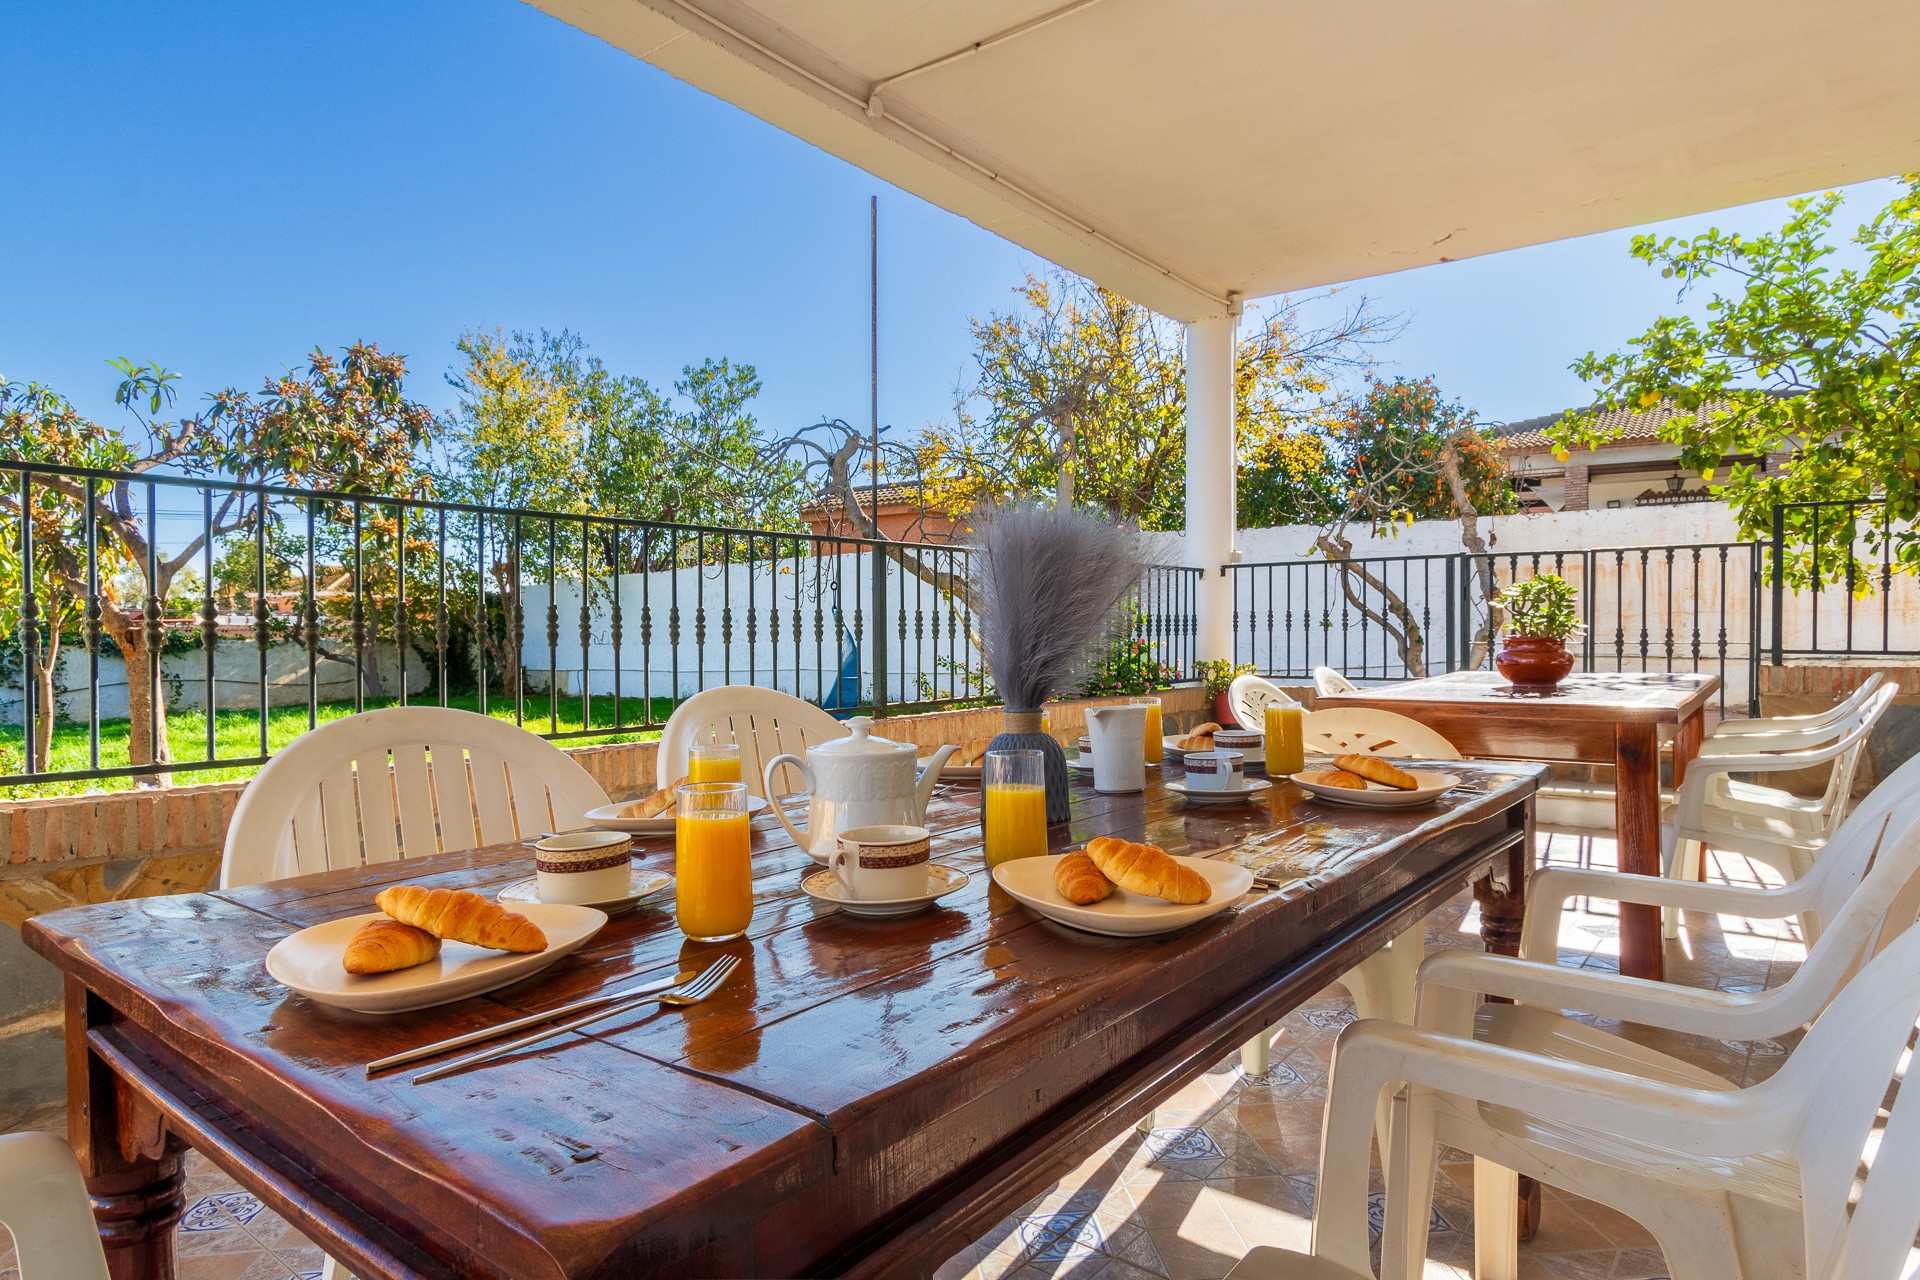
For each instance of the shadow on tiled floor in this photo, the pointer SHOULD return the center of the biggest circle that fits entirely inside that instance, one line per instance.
(1232, 1160)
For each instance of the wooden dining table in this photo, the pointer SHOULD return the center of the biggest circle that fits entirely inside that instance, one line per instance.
(862, 1098)
(1591, 718)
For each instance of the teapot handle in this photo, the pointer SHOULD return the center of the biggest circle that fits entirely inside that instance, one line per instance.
(801, 838)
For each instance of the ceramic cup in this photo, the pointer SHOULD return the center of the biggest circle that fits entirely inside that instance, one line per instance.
(1215, 771)
(1086, 750)
(882, 864)
(1250, 743)
(583, 866)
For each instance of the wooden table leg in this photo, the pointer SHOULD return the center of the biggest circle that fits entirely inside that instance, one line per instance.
(1686, 744)
(133, 1166)
(1636, 812)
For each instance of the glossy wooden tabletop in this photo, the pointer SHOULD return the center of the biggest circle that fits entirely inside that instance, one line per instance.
(848, 1068)
(1652, 697)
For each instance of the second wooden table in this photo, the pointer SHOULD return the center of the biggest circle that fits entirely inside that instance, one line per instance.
(1592, 718)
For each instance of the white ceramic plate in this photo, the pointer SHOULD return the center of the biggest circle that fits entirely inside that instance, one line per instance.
(1378, 795)
(1084, 764)
(1250, 789)
(608, 816)
(941, 881)
(954, 772)
(1121, 914)
(309, 962)
(524, 893)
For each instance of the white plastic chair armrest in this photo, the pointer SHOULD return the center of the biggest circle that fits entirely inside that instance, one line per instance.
(1550, 889)
(1608, 995)
(1373, 1053)
(1703, 769)
(43, 1199)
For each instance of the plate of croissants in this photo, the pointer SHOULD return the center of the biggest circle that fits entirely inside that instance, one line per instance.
(1201, 739)
(654, 815)
(426, 947)
(1123, 889)
(1371, 782)
(965, 763)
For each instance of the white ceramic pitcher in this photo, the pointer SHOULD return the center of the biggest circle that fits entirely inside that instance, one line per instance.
(1119, 737)
(857, 781)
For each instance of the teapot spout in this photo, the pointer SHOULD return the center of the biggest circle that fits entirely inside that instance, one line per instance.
(923, 790)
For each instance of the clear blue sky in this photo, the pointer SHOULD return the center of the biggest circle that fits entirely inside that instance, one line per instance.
(220, 186)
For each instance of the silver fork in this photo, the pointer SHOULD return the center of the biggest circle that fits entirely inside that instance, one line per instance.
(686, 993)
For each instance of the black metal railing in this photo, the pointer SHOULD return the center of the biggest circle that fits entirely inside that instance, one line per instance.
(588, 626)
(1842, 582)
(1663, 608)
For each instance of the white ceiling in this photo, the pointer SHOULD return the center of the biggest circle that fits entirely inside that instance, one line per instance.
(1180, 150)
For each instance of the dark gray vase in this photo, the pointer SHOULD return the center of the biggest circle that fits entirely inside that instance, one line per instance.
(1030, 738)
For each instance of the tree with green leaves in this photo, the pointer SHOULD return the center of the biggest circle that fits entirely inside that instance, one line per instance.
(343, 424)
(1082, 394)
(1404, 452)
(1801, 357)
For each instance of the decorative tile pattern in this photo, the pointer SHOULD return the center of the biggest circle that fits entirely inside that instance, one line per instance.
(1061, 1236)
(1377, 1216)
(1278, 1075)
(1327, 1019)
(1183, 1144)
(220, 1212)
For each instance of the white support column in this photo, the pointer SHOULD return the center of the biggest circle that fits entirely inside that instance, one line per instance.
(1211, 501)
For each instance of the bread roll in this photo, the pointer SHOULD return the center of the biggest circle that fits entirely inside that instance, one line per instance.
(654, 805)
(1079, 881)
(1374, 769)
(1341, 778)
(1201, 739)
(384, 944)
(1148, 869)
(461, 916)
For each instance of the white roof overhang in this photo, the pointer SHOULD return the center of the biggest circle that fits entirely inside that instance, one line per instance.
(1182, 152)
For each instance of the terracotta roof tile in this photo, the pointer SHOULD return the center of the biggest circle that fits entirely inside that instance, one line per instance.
(1619, 427)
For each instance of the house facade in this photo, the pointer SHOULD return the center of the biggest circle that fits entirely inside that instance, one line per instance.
(1631, 466)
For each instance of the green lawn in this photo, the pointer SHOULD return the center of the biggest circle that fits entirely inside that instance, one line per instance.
(237, 733)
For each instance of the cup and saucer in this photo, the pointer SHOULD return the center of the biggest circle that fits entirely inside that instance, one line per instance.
(1217, 777)
(881, 872)
(585, 869)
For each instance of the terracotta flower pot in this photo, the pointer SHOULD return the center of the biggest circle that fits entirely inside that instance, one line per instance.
(1534, 664)
(1222, 712)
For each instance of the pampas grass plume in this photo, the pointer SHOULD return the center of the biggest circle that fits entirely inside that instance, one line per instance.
(1052, 587)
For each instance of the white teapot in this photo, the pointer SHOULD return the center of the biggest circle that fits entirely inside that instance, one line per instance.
(857, 781)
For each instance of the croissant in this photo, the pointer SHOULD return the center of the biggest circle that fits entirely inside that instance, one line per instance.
(461, 916)
(1374, 769)
(1148, 869)
(1079, 881)
(1201, 739)
(382, 945)
(1341, 778)
(654, 805)
(970, 751)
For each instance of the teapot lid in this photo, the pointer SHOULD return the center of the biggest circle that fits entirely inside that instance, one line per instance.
(861, 743)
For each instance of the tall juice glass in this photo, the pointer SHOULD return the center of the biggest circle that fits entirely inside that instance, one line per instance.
(1286, 752)
(718, 762)
(1014, 796)
(715, 878)
(1156, 745)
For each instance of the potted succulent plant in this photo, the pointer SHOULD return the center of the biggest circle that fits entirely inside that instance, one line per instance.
(1540, 619)
(1216, 677)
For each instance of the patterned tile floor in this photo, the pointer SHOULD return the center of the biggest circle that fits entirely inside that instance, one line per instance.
(1232, 1160)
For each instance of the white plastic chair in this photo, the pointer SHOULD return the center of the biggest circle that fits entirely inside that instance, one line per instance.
(1733, 1183)
(43, 1202)
(765, 722)
(1248, 698)
(1804, 730)
(396, 783)
(1327, 680)
(1365, 731)
(1776, 827)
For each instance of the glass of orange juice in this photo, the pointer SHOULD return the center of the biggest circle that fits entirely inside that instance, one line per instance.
(1014, 797)
(715, 762)
(1286, 750)
(715, 877)
(1156, 745)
